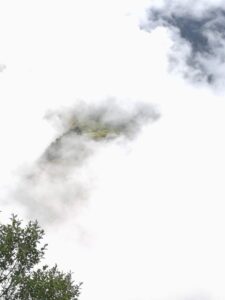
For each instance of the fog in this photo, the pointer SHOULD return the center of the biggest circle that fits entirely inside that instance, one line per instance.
(111, 122)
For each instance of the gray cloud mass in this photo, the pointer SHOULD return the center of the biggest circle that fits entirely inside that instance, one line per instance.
(57, 183)
(200, 34)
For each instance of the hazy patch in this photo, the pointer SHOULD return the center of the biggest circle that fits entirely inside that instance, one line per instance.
(198, 39)
(57, 182)
(2, 67)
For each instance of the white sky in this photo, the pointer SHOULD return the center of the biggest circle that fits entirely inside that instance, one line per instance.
(153, 227)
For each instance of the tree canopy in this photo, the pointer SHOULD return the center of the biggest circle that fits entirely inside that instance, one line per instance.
(22, 277)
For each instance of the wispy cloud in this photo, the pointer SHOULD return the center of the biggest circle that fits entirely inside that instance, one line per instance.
(2, 67)
(197, 32)
(53, 186)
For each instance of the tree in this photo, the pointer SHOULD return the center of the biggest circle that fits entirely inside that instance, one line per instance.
(21, 277)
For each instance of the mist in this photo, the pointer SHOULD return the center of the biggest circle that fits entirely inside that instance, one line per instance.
(56, 184)
(112, 136)
(198, 38)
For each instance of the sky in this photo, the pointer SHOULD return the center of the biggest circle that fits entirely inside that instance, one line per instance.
(139, 213)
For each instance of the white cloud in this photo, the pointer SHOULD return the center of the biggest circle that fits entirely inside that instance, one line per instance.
(153, 227)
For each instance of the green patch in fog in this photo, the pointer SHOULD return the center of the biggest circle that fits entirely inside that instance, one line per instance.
(97, 131)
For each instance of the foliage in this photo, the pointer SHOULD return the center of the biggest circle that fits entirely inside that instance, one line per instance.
(96, 131)
(20, 279)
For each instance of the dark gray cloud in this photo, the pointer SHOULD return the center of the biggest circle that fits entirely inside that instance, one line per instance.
(201, 32)
(56, 183)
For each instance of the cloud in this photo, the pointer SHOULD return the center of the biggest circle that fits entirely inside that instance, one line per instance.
(197, 33)
(2, 67)
(154, 218)
(56, 183)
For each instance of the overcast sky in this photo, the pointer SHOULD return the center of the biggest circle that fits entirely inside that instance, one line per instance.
(138, 218)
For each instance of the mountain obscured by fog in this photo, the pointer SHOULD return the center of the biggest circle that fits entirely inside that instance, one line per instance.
(57, 182)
